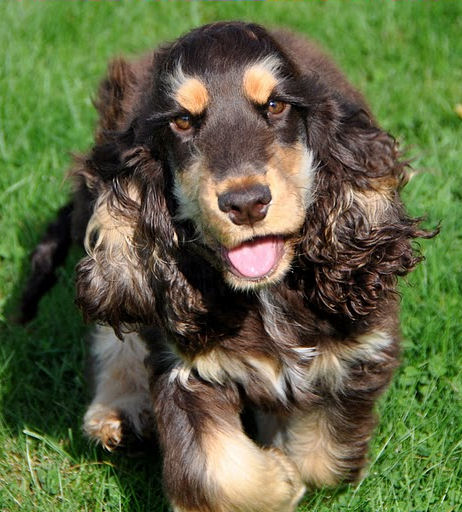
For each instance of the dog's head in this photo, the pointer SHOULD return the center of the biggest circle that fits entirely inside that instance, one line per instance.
(227, 119)
(254, 148)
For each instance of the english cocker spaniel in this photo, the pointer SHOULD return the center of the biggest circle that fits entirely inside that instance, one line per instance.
(240, 209)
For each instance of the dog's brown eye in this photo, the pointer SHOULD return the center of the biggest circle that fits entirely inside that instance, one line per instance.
(276, 107)
(182, 123)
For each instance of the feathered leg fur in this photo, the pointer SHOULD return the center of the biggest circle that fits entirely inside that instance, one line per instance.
(122, 404)
(210, 465)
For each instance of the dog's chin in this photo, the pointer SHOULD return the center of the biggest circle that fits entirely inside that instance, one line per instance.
(258, 262)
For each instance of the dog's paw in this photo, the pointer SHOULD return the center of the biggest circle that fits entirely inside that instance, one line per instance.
(296, 487)
(104, 425)
(116, 426)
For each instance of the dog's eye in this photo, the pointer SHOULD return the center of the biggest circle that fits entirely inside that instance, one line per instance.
(182, 123)
(275, 107)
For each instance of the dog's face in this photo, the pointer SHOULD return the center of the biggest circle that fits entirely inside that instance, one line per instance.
(235, 143)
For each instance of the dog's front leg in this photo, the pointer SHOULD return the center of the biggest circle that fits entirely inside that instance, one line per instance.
(210, 465)
(329, 443)
(121, 409)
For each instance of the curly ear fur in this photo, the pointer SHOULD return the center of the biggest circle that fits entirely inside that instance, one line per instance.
(111, 284)
(115, 95)
(131, 269)
(357, 237)
(179, 303)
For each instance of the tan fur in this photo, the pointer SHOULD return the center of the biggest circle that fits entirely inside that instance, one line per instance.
(289, 174)
(193, 96)
(309, 442)
(219, 367)
(374, 204)
(248, 478)
(187, 188)
(238, 182)
(331, 364)
(121, 388)
(342, 205)
(239, 475)
(113, 230)
(109, 240)
(259, 81)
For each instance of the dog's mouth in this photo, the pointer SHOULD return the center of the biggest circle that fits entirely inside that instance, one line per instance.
(255, 259)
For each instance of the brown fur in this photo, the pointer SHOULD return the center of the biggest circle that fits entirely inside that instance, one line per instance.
(312, 344)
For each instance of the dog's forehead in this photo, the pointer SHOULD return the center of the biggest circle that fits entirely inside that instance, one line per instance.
(194, 91)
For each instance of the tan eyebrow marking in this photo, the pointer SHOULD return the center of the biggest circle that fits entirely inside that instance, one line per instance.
(259, 83)
(192, 96)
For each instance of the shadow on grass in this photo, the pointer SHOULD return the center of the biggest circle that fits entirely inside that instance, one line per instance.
(46, 391)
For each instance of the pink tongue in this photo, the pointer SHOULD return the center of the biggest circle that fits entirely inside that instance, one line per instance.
(256, 258)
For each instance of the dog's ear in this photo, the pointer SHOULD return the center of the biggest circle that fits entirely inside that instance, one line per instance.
(131, 273)
(112, 284)
(129, 238)
(357, 236)
(111, 288)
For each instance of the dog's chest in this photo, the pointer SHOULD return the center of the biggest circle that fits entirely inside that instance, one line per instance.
(299, 380)
(283, 362)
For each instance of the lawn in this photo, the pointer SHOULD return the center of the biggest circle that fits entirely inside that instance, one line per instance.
(406, 57)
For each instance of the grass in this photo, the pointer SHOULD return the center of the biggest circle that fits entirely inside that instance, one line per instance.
(405, 56)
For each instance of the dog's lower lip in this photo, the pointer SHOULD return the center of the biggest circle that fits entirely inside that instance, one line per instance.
(264, 253)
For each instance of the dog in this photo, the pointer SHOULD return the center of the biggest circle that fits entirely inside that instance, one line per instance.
(244, 232)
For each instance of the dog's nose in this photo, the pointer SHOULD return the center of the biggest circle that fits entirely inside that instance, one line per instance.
(246, 205)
